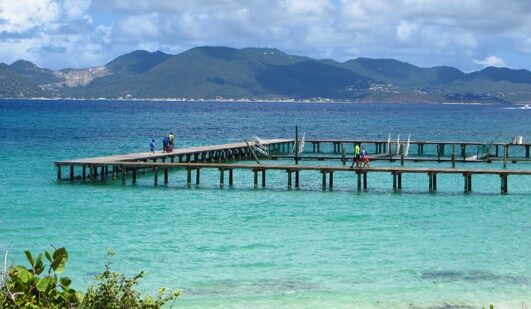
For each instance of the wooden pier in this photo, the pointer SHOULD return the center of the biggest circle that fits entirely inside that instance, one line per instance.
(223, 158)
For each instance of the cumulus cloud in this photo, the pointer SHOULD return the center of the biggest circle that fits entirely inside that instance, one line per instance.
(20, 16)
(404, 30)
(424, 32)
(491, 61)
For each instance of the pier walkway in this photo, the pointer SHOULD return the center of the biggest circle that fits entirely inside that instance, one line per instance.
(194, 159)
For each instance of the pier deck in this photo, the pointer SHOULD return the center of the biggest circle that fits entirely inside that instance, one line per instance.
(142, 156)
(218, 156)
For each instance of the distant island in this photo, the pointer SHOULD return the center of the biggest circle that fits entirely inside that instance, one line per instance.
(263, 74)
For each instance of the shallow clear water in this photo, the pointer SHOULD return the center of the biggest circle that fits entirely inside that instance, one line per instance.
(241, 247)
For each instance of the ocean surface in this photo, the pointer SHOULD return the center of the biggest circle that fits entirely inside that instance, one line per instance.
(240, 247)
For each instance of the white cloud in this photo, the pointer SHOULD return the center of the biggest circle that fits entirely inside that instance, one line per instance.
(491, 61)
(404, 30)
(17, 16)
(424, 32)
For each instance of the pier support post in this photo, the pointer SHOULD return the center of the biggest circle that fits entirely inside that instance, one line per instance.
(165, 175)
(71, 173)
(155, 176)
(289, 179)
(133, 175)
(527, 151)
(102, 173)
(503, 183)
(255, 179)
(453, 155)
(324, 179)
(402, 159)
(263, 178)
(297, 179)
(84, 173)
(231, 177)
(463, 151)
(124, 174)
(188, 177)
(358, 174)
(468, 182)
(394, 180)
(221, 178)
(365, 181)
(197, 176)
(59, 177)
(331, 182)
(505, 155)
(433, 181)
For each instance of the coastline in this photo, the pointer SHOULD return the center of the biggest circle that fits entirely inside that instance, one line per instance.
(258, 100)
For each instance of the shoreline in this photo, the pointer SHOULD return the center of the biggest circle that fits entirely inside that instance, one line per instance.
(247, 100)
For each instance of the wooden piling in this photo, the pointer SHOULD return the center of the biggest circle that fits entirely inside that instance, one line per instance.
(155, 176)
(289, 179)
(505, 155)
(59, 177)
(255, 179)
(124, 174)
(133, 175)
(359, 180)
(165, 175)
(197, 176)
(503, 183)
(263, 178)
(231, 177)
(365, 181)
(331, 182)
(221, 178)
(189, 177)
(453, 155)
(297, 179)
(324, 179)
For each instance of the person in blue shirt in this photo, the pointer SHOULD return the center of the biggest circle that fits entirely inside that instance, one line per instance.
(152, 147)
(165, 144)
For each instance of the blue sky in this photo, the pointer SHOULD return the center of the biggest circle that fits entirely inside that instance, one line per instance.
(468, 34)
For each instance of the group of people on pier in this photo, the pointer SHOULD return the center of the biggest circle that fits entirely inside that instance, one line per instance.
(360, 157)
(168, 143)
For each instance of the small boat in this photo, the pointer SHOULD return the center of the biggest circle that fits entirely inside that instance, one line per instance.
(527, 106)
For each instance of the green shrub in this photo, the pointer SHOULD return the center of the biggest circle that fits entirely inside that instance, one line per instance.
(39, 286)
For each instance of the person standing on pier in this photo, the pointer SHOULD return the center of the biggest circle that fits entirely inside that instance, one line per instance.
(171, 142)
(357, 158)
(152, 147)
(365, 157)
(165, 144)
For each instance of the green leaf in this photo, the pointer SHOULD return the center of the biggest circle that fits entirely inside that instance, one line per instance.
(39, 265)
(65, 282)
(23, 274)
(48, 256)
(60, 256)
(43, 284)
(30, 258)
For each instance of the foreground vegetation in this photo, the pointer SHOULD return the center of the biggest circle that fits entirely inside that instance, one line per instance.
(40, 286)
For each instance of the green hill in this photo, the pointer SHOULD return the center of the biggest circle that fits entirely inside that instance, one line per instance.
(266, 73)
(13, 85)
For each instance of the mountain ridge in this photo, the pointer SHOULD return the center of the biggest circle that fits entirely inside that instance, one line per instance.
(211, 72)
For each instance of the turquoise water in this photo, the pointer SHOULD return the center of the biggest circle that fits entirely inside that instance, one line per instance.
(241, 247)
